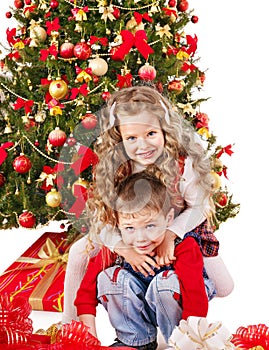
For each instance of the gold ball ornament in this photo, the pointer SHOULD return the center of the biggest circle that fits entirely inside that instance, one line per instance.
(98, 66)
(37, 35)
(53, 198)
(216, 180)
(58, 89)
(80, 182)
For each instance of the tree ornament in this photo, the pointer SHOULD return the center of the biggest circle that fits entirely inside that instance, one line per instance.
(176, 86)
(216, 181)
(53, 198)
(22, 164)
(172, 3)
(67, 50)
(82, 50)
(57, 137)
(2, 180)
(133, 26)
(116, 12)
(8, 14)
(71, 141)
(183, 6)
(18, 4)
(98, 66)
(27, 2)
(106, 95)
(27, 219)
(37, 35)
(89, 121)
(80, 182)
(58, 88)
(84, 229)
(194, 19)
(147, 72)
(54, 4)
(221, 199)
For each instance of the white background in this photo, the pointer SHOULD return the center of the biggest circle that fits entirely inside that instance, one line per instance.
(233, 45)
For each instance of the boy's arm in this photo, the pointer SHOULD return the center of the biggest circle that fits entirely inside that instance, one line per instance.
(189, 269)
(86, 300)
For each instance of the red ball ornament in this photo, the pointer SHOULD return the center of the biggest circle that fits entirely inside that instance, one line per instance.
(8, 14)
(27, 2)
(106, 95)
(2, 180)
(58, 88)
(57, 137)
(116, 12)
(82, 50)
(54, 4)
(194, 19)
(221, 199)
(176, 86)
(22, 164)
(147, 72)
(183, 5)
(67, 50)
(172, 3)
(18, 4)
(89, 121)
(27, 219)
(71, 141)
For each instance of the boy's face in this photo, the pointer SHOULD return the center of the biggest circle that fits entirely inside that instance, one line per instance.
(146, 230)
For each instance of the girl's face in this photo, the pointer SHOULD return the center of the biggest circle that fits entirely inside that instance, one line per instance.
(146, 231)
(143, 139)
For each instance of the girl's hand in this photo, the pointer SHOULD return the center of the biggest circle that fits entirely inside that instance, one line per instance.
(140, 263)
(89, 320)
(165, 251)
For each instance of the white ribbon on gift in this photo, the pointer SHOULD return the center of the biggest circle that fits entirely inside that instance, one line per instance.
(197, 334)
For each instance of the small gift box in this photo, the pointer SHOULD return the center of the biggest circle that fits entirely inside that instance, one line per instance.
(39, 273)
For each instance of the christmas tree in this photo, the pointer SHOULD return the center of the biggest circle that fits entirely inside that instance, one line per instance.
(64, 59)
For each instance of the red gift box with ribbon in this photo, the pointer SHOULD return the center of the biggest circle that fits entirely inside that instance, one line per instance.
(39, 273)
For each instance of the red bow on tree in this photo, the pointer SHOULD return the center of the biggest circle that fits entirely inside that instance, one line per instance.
(53, 25)
(138, 17)
(3, 153)
(228, 150)
(52, 50)
(139, 40)
(83, 90)
(124, 80)
(88, 157)
(102, 41)
(26, 104)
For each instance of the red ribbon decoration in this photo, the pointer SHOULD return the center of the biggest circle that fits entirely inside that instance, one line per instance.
(3, 153)
(139, 40)
(251, 336)
(102, 41)
(53, 25)
(14, 55)
(83, 90)
(76, 9)
(29, 8)
(88, 158)
(26, 104)
(228, 150)
(10, 36)
(124, 80)
(169, 12)
(54, 103)
(52, 50)
(139, 17)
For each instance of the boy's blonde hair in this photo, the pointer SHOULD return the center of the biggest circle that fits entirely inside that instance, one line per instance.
(140, 193)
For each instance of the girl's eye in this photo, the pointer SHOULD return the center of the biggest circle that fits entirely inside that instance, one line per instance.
(130, 138)
(129, 229)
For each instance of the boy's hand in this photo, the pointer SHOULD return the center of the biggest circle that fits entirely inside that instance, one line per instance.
(139, 262)
(165, 251)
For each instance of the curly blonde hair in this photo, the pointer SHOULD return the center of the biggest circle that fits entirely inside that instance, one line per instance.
(114, 164)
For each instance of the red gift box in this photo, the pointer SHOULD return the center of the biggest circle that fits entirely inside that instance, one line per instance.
(39, 273)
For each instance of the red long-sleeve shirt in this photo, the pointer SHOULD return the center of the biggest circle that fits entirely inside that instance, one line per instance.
(188, 266)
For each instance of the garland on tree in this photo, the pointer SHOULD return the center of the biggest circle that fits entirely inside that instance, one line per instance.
(64, 60)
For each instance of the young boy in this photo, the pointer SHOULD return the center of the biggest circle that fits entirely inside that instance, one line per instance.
(136, 304)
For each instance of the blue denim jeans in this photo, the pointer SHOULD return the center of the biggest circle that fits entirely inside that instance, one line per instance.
(136, 307)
